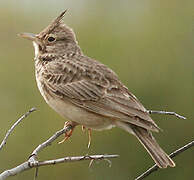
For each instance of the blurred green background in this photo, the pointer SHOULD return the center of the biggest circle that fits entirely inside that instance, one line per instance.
(148, 43)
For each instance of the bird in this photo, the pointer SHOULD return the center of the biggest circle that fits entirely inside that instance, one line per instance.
(87, 92)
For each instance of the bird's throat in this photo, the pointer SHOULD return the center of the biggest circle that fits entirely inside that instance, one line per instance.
(36, 49)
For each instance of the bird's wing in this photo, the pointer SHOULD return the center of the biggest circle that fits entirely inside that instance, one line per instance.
(96, 88)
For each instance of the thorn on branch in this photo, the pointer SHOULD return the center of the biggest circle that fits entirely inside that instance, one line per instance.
(91, 162)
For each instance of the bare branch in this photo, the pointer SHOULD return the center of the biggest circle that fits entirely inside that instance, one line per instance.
(26, 165)
(34, 163)
(76, 158)
(14, 125)
(166, 113)
(173, 154)
(48, 142)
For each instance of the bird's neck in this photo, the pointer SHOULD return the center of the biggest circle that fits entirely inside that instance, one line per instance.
(71, 50)
(68, 50)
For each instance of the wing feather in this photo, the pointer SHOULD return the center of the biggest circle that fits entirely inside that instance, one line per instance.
(99, 92)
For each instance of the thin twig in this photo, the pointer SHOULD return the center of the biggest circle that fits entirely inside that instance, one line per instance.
(166, 113)
(173, 154)
(36, 173)
(14, 125)
(33, 156)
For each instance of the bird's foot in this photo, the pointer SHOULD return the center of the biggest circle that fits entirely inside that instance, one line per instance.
(68, 133)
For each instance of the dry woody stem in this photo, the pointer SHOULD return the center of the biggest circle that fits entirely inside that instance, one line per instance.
(166, 113)
(28, 165)
(32, 162)
(172, 155)
(14, 125)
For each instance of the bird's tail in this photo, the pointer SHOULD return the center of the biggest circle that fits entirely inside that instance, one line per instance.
(153, 148)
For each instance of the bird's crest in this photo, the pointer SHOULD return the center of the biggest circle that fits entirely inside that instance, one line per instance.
(55, 23)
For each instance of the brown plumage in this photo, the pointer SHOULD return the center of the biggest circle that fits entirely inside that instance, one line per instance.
(87, 92)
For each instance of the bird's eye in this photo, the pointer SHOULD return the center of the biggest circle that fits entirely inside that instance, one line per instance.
(51, 39)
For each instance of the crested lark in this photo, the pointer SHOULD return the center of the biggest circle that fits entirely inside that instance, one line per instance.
(87, 92)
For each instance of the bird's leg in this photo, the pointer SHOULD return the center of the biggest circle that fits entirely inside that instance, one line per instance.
(166, 113)
(68, 133)
(89, 135)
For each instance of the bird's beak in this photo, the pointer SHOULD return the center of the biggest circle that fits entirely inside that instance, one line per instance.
(28, 36)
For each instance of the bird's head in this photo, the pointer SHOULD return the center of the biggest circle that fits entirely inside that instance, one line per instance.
(56, 38)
